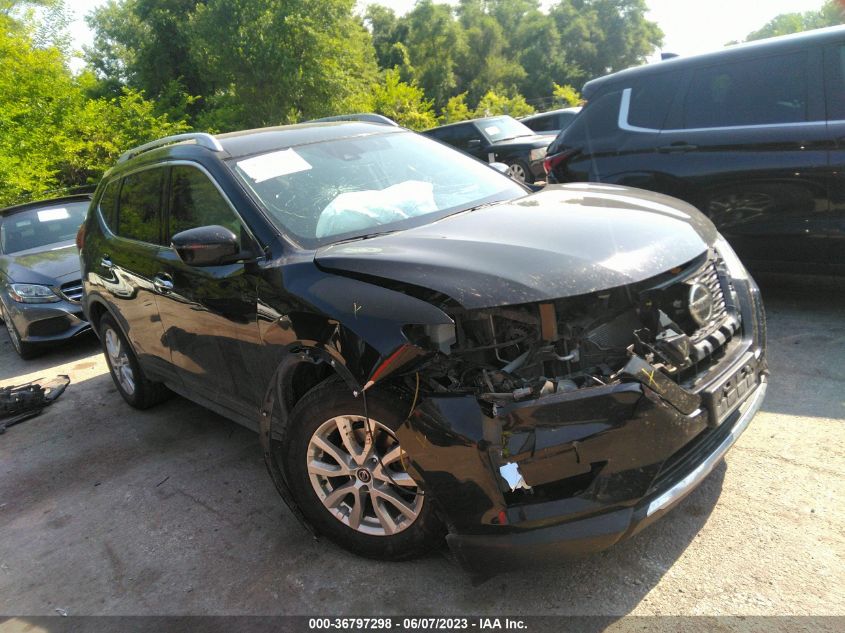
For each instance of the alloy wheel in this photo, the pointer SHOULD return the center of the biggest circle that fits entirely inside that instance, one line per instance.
(517, 172)
(119, 361)
(356, 468)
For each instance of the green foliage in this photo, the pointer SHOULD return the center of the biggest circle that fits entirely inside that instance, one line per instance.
(404, 103)
(493, 103)
(566, 95)
(831, 13)
(51, 133)
(456, 109)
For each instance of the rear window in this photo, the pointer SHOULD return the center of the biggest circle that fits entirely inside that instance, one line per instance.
(108, 205)
(599, 119)
(762, 91)
(41, 227)
(139, 212)
(651, 98)
(543, 123)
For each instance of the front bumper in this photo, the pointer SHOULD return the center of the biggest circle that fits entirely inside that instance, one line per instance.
(47, 322)
(481, 553)
(599, 463)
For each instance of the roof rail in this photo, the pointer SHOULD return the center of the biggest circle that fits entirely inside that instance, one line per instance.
(200, 138)
(368, 117)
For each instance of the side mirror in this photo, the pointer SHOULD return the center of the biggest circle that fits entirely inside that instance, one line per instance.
(207, 246)
(473, 143)
(501, 168)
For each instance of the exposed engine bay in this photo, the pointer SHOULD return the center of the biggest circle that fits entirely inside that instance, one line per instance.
(520, 352)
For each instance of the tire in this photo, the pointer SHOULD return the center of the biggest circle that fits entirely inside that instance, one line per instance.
(367, 519)
(25, 350)
(128, 377)
(520, 172)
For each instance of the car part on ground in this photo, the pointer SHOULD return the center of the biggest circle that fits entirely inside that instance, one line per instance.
(553, 370)
(22, 402)
(40, 285)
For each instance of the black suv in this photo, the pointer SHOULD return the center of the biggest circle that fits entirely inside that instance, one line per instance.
(499, 139)
(425, 346)
(752, 135)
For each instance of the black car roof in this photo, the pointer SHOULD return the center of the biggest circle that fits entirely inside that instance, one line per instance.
(48, 202)
(484, 118)
(256, 141)
(758, 47)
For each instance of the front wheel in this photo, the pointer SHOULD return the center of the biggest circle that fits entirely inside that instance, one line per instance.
(348, 474)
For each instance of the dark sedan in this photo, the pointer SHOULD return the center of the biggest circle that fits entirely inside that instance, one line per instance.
(499, 139)
(427, 348)
(40, 286)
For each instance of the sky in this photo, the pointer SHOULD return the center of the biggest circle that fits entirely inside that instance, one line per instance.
(689, 26)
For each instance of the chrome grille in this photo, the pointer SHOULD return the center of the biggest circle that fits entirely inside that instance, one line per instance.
(72, 291)
(725, 320)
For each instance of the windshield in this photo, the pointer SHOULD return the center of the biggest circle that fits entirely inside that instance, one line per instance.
(504, 127)
(37, 228)
(347, 188)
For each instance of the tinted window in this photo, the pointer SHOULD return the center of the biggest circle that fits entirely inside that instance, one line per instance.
(195, 201)
(459, 135)
(38, 228)
(651, 98)
(543, 123)
(564, 119)
(139, 211)
(108, 204)
(754, 92)
(599, 119)
(836, 85)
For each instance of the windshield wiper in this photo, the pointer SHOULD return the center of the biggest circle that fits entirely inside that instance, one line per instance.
(366, 236)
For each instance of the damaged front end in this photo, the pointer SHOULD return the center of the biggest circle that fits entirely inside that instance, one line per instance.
(563, 425)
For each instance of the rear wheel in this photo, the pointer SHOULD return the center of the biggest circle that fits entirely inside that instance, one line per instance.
(125, 370)
(520, 172)
(24, 350)
(348, 475)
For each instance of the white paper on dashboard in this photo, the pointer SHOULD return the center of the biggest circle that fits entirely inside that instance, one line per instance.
(273, 165)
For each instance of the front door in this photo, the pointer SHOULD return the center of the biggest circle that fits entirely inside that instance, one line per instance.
(209, 313)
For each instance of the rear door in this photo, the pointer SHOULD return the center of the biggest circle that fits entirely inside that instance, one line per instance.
(209, 313)
(748, 145)
(127, 263)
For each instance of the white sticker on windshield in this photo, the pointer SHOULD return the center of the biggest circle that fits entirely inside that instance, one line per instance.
(492, 130)
(273, 165)
(48, 215)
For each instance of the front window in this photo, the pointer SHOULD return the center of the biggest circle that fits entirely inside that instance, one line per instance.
(342, 189)
(41, 227)
(503, 128)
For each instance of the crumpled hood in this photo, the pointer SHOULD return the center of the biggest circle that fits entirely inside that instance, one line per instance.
(57, 263)
(563, 241)
(536, 140)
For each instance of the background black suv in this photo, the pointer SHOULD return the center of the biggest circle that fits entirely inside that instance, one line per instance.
(499, 139)
(753, 135)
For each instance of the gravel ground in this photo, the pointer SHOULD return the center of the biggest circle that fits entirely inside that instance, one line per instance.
(107, 510)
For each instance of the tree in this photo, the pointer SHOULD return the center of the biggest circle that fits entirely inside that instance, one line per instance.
(455, 110)
(51, 133)
(566, 95)
(831, 13)
(603, 36)
(231, 64)
(492, 104)
(404, 103)
(435, 43)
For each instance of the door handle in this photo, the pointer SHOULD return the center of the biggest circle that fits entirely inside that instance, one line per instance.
(163, 283)
(680, 146)
(105, 262)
